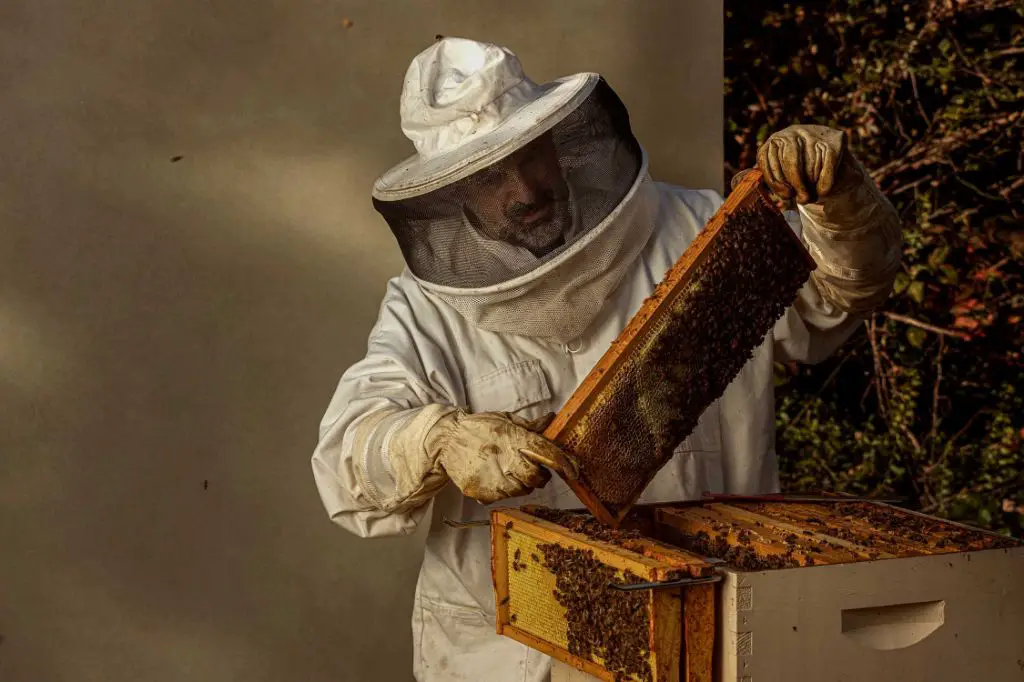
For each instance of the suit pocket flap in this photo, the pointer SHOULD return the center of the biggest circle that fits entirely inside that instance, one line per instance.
(509, 388)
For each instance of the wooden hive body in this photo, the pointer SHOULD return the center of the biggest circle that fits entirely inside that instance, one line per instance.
(835, 591)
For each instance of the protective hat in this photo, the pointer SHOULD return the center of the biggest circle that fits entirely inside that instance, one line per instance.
(505, 211)
(466, 105)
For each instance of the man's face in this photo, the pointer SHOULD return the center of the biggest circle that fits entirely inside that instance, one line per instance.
(523, 199)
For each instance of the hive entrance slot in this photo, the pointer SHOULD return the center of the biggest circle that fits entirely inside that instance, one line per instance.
(896, 626)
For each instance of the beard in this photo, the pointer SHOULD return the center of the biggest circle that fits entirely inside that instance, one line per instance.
(540, 228)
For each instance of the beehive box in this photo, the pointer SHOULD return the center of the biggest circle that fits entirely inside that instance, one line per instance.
(833, 591)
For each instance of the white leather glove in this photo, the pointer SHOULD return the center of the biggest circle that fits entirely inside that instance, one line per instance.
(409, 455)
(852, 231)
(803, 162)
(495, 455)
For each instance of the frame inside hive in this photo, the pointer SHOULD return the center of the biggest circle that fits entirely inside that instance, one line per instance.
(582, 417)
(756, 536)
(676, 638)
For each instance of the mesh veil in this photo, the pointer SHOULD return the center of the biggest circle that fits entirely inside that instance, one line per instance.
(527, 208)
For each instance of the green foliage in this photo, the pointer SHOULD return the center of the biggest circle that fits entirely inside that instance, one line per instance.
(927, 401)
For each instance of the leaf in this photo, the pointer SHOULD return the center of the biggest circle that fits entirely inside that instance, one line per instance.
(916, 336)
(949, 274)
(938, 256)
(779, 374)
(916, 291)
(968, 323)
(901, 283)
(965, 306)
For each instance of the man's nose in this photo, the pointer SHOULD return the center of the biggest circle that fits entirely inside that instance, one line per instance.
(521, 188)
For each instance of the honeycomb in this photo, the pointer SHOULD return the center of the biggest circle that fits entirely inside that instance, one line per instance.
(695, 343)
(560, 595)
(531, 589)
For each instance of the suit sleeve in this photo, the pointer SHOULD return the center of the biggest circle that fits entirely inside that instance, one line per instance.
(813, 328)
(370, 467)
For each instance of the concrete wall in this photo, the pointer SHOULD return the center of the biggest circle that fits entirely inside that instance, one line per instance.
(170, 333)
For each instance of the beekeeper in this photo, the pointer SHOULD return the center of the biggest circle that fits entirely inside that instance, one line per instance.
(532, 232)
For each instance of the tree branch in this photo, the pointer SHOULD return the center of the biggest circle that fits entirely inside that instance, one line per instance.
(817, 394)
(1003, 53)
(883, 404)
(935, 397)
(896, 317)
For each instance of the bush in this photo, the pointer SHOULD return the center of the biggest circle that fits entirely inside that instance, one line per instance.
(928, 401)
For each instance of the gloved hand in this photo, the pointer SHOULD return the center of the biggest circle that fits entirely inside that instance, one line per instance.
(850, 228)
(492, 456)
(403, 457)
(807, 163)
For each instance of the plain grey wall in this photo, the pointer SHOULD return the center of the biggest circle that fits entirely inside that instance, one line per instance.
(170, 333)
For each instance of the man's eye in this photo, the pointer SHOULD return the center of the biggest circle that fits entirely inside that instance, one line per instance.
(532, 162)
(489, 176)
(532, 157)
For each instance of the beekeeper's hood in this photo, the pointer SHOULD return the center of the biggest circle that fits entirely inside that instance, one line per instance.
(524, 204)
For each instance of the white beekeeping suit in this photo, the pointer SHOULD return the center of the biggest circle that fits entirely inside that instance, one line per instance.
(532, 232)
